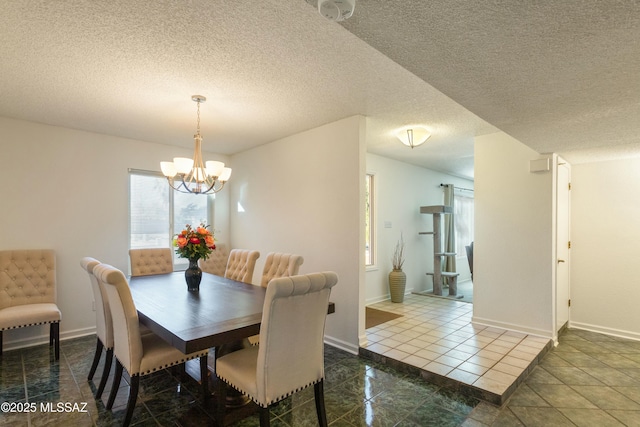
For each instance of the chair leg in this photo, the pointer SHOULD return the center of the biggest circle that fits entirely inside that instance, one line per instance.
(131, 402)
(108, 361)
(204, 379)
(264, 417)
(54, 338)
(0, 343)
(221, 402)
(318, 389)
(96, 359)
(116, 384)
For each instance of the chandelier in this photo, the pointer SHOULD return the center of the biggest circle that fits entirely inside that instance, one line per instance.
(193, 176)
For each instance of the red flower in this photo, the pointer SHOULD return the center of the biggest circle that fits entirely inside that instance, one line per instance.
(194, 240)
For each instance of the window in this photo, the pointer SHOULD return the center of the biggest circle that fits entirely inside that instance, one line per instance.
(157, 213)
(369, 222)
(463, 207)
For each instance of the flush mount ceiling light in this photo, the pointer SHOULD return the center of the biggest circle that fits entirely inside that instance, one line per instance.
(336, 10)
(413, 136)
(194, 177)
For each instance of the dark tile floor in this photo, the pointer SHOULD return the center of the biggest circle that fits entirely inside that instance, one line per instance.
(588, 380)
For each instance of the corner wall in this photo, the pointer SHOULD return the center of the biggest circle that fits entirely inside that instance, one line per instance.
(513, 249)
(304, 194)
(605, 237)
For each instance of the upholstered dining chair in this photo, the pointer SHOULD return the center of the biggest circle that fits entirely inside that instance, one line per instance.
(290, 356)
(139, 354)
(280, 265)
(28, 293)
(145, 262)
(104, 328)
(241, 264)
(217, 261)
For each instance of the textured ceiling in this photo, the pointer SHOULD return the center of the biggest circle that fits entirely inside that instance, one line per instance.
(557, 77)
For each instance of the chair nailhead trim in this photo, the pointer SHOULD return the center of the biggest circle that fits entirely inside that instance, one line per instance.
(168, 365)
(278, 399)
(30, 324)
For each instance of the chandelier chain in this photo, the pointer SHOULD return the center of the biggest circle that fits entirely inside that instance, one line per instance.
(198, 122)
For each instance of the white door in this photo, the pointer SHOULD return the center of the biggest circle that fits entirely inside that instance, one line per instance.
(563, 205)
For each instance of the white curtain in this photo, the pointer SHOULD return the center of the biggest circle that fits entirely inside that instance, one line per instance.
(463, 220)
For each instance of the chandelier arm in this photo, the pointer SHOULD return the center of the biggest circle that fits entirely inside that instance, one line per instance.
(187, 182)
(211, 190)
(171, 184)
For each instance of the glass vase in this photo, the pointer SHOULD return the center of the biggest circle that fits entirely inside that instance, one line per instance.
(193, 275)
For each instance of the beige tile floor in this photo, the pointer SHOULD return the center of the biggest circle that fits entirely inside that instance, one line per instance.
(436, 335)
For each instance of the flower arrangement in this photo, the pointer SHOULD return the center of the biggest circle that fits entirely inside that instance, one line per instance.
(398, 255)
(194, 243)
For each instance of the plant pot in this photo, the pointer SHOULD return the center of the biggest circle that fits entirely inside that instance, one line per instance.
(193, 276)
(397, 285)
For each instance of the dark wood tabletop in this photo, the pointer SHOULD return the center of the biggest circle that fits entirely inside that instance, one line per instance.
(223, 311)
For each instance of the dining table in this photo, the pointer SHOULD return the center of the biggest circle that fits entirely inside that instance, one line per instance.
(223, 311)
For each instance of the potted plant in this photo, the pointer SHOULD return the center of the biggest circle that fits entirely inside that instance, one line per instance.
(397, 277)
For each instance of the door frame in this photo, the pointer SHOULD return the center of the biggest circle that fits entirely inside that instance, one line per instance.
(562, 248)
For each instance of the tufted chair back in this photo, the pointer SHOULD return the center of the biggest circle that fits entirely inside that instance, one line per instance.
(280, 265)
(28, 292)
(27, 277)
(241, 264)
(145, 262)
(217, 261)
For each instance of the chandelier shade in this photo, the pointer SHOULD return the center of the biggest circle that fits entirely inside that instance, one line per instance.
(193, 175)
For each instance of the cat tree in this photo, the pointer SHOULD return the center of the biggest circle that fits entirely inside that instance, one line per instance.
(438, 252)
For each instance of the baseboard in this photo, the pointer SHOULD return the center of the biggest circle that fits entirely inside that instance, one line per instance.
(342, 345)
(44, 339)
(377, 299)
(386, 297)
(512, 327)
(604, 330)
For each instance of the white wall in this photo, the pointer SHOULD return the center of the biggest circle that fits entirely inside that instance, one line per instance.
(67, 190)
(400, 190)
(513, 248)
(304, 194)
(605, 237)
